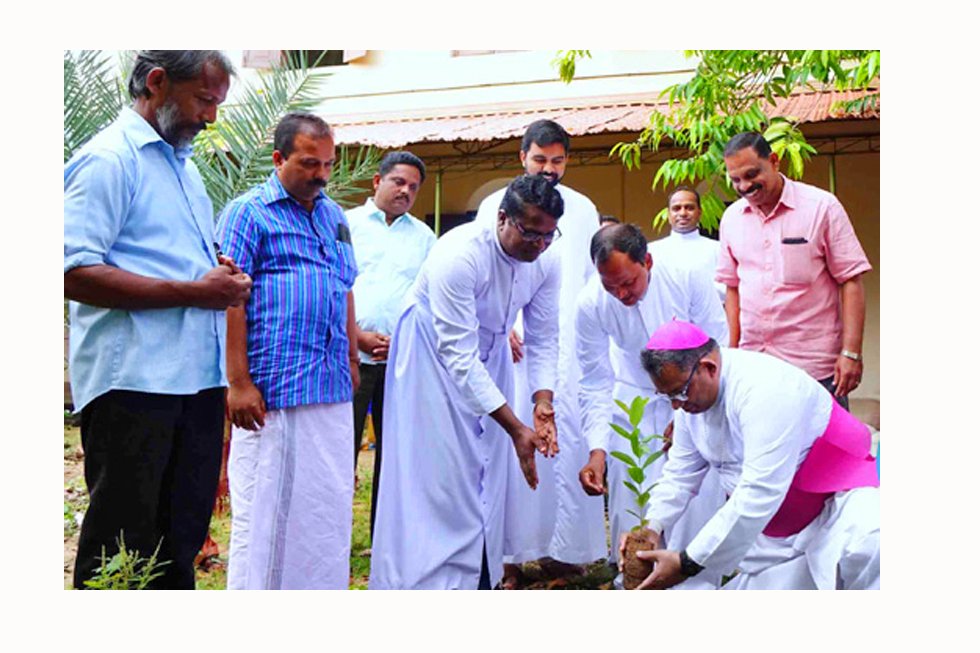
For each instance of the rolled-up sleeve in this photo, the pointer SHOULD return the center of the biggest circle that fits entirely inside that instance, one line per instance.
(453, 305)
(97, 200)
(727, 272)
(844, 255)
(541, 331)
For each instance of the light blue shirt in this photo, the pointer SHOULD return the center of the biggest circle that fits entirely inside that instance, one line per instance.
(388, 261)
(133, 202)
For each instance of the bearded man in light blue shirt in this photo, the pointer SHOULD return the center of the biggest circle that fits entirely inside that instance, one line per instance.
(149, 292)
(390, 245)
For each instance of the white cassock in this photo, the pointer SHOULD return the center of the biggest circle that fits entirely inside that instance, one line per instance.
(558, 519)
(756, 435)
(443, 483)
(610, 337)
(691, 249)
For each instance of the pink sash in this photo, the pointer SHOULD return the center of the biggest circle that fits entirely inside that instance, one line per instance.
(839, 460)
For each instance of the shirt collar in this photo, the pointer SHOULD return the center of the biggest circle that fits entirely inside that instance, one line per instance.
(375, 212)
(143, 133)
(274, 192)
(694, 234)
(787, 199)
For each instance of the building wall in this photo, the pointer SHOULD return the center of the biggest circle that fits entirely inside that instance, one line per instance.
(628, 196)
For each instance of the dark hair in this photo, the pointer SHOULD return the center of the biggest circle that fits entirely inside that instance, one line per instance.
(543, 133)
(754, 140)
(291, 124)
(180, 66)
(392, 159)
(684, 359)
(611, 219)
(531, 190)
(626, 238)
(687, 189)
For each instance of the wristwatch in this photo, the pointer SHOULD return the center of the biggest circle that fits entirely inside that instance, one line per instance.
(689, 567)
(850, 354)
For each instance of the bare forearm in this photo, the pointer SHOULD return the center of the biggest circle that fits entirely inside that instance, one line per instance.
(507, 419)
(111, 287)
(852, 314)
(237, 347)
(352, 328)
(731, 313)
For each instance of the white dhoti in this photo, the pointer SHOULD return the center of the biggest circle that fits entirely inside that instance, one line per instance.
(840, 549)
(443, 473)
(292, 491)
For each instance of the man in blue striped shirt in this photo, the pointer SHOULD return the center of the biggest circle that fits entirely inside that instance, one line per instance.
(390, 245)
(291, 371)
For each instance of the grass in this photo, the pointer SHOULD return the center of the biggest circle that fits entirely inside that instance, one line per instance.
(212, 572)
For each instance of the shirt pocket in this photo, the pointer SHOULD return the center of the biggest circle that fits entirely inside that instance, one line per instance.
(799, 261)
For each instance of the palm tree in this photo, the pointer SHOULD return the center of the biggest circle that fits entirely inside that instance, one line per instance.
(233, 154)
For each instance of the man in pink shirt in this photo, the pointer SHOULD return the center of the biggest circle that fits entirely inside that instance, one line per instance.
(793, 267)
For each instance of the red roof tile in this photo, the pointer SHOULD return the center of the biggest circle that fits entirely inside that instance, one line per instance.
(623, 113)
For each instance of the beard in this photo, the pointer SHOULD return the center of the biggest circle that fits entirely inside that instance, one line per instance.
(178, 134)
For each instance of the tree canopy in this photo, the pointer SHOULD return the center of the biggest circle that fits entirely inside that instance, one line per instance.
(728, 94)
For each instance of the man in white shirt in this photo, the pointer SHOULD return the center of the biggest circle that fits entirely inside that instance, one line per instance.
(390, 245)
(558, 520)
(633, 293)
(803, 506)
(449, 388)
(685, 245)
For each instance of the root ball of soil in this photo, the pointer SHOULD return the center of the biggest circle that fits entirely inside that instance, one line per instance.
(636, 570)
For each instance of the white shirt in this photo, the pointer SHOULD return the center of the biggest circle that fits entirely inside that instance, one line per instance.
(691, 249)
(758, 432)
(388, 260)
(673, 291)
(473, 291)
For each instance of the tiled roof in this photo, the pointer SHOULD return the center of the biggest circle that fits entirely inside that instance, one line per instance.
(623, 113)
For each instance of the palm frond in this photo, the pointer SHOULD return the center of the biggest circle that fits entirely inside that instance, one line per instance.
(235, 153)
(93, 96)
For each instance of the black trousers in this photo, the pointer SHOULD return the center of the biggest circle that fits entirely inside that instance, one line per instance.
(829, 384)
(151, 466)
(371, 393)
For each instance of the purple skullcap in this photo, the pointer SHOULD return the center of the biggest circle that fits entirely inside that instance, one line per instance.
(676, 334)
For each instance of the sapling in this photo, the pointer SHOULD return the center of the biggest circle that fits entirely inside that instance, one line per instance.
(635, 569)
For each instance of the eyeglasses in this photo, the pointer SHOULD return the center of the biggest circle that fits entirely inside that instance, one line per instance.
(681, 395)
(531, 236)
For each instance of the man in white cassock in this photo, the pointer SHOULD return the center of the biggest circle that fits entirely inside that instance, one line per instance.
(557, 520)
(448, 390)
(685, 245)
(803, 507)
(617, 311)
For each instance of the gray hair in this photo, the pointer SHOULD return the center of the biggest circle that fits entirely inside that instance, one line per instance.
(654, 361)
(180, 66)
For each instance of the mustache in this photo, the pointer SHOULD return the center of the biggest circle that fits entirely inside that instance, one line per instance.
(318, 183)
(752, 188)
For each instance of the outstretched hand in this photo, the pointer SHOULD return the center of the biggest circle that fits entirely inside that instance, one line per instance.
(526, 442)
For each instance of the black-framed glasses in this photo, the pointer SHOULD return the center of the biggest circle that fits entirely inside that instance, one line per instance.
(531, 236)
(681, 395)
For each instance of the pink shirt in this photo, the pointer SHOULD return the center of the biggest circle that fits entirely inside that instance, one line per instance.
(788, 267)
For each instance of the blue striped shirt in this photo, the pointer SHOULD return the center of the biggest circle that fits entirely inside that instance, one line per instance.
(302, 266)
